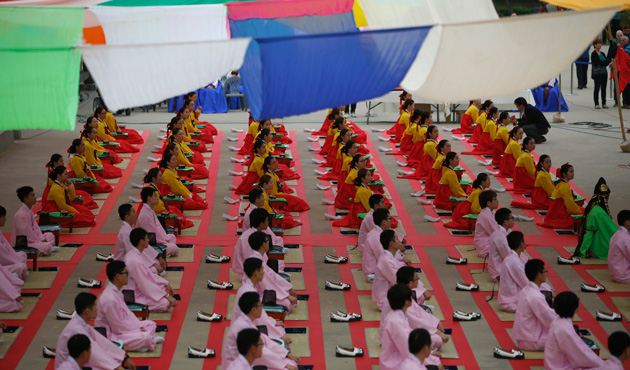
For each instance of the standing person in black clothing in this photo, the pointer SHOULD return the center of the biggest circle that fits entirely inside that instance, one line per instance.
(350, 110)
(599, 62)
(533, 122)
(581, 69)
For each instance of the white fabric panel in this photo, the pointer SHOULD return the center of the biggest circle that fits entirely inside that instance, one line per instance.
(132, 76)
(382, 14)
(525, 52)
(158, 24)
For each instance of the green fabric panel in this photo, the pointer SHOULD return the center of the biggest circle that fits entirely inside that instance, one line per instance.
(165, 2)
(39, 78)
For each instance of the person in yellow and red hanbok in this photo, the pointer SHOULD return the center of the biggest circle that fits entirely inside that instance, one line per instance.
(187, 112)
(480, 122)
(197, 114)
(191, 133)
(255, 169)
(471, 205)
(93, 122)
(449, 184)
(59, 199)
(543, 187)
(358, 135)
(563, 204)
(56, 160)
(200, 171)
(266, 184)
(171, 179)
(340, 140)
(79, 167)
(105, 135)
(177, 122)
(177, 137)
(433, 180)
(429, 154)
(486, 139)
(361, 201)
(469, 117)
(403, 122)
(155, 179)
(525, 169)
(337, 126)
(420, 135)
(133, 136)
(501, 139)
(350, 149)
(255, 128)
(512, 152)
(406, 143)
(91, 155)
(403, 97)
(295, 204)
(287, 172)
(330, 118)
(346, 189)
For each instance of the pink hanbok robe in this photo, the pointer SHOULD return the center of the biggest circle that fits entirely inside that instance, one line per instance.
(274, 356)
(149, 222)
(499, 250)
(484, 228)
(619, 256)
(246, 225)
(273, 331)
(13, 261)
(385, 278)
(240, 363)
(533, 319)
(123, 245)
(418, 318)
(121, 324)
(411, 363)
(513, 280)
(148, 287)
(373, 249)
(105, 354)
(394, 340)
(241, 252)
(613, 363)
(69, 364)
(10, 289)
(565, 350)
(24, 224)
(273, 281)
(368, 225)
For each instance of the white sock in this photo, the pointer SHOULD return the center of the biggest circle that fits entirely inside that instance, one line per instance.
(54, 249)
(328, 201)
(159, 339)
(424, 201)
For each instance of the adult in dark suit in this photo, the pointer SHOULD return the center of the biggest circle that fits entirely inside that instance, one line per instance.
(533, 122)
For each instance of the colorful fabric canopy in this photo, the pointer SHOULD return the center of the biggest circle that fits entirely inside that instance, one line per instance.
(590, 4)
(39, 77)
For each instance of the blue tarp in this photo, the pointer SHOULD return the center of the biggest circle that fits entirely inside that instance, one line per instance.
(211, 101)
(289, 26)
(552, 100)
(326, 70)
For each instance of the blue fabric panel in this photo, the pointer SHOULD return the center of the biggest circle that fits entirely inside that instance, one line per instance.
(211, 101)
(552, 100)
(290, 26)
(296, 75)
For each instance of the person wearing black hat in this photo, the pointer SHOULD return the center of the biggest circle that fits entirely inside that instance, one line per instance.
(597, 226)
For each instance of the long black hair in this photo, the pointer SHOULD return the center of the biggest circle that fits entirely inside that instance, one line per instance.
(449, 157)
(480, 178)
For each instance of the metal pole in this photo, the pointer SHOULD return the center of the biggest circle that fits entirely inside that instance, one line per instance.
(572, 64)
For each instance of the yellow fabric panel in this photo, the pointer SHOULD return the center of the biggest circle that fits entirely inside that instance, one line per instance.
(590, 4)
(359, 16)
(563, 191)
(474, 199)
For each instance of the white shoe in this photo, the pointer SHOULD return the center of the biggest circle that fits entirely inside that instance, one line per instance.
(607, 316)
(484, 163)
(428, 218)
(311, 139)
(317, 161)
(337, 286)
(221, 286)
(145, 171)
(342, 317)
(328, 201)
(233, 148)
(512, 354)
(163, 130)
(157, 146)
(370, 277)
(322, 187)
(348, 352)
(497, 190)
(234, 173)
(227, 217)
(491, 172)
(354, 115)
(312, 149)
(568, 261)
(49, 352)
(65, 315)
(320, 172)
(88, 283)
(236, 160)
(332, 217)
(153, 159)
(524, 218)
(329, 258)
(211, 317)
(308, 130)
(157, 339)
(230, 200)
(135, 200)
(104, 257)
(447, 129)
(418, 193)
(235, 130)
(54, 249)
(456, 261)
(383, 149)
(380, 138)
(137, 186)
(232, 187)
(162, 137)
(200, 353)
(465, 316)
(424, 202)
(592, 288)
(458, 138)
(401, 163)
(229, 138)
(378, 129)
(213, 258)
(466, 287)
(403, 172)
